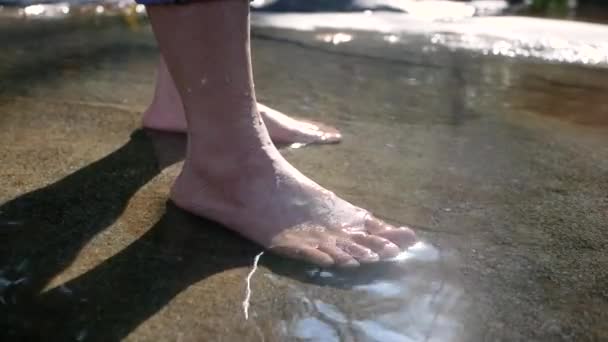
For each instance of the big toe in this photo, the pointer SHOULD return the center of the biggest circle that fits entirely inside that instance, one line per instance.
(401, 236)
(320, 133)
(381, 246)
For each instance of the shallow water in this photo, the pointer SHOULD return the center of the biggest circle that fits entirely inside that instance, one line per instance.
(499, 163)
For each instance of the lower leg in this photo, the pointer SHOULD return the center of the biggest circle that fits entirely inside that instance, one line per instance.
(166, 113)
(244, 182)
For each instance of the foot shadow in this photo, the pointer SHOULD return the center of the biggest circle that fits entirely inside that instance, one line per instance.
(111, 300)
(43, 231)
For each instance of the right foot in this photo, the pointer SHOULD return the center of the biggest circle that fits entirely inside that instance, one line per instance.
(268, 201)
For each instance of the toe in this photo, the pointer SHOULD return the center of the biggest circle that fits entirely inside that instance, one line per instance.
(322, 133)
(383, 247)
(341, 258)
(304, 253)
(362, 254)
(402, 236)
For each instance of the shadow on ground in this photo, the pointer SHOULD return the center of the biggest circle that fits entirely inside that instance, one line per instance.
(44, 230)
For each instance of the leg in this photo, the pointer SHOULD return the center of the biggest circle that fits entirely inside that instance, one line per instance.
(244, 182)
(166, 113)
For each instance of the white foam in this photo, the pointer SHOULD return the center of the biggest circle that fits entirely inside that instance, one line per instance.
(419, 251)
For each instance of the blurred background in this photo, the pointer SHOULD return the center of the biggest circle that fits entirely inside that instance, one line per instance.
(486, 26)
(581, 9)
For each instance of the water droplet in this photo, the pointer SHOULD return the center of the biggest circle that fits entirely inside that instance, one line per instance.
(297, 145)
(325, 274)
(82, 335)
(65, 290)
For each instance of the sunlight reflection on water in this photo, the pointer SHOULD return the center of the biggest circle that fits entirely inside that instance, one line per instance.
(414, 299)
(420, 251)
(453, 27)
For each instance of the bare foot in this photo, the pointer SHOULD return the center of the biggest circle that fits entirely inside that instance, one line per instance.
(233, 173)
(282, 129)
(166, 113)
(271, 203)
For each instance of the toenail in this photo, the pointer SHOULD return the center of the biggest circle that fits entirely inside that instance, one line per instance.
(373, 256)
(351, 263)
(390, 245)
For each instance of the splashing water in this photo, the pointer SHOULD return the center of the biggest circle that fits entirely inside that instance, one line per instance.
(419, 251)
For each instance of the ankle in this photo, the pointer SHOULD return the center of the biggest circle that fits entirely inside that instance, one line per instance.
(222, 185)
(248, 144)
(230, 163)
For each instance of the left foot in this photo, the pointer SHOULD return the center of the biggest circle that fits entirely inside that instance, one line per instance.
(287, 130)
(166, 113)
(163, 115)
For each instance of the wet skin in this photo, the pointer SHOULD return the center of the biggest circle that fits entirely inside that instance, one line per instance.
(166, 113)
(246, 184)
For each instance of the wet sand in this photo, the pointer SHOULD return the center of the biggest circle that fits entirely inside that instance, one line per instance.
(500, 164)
